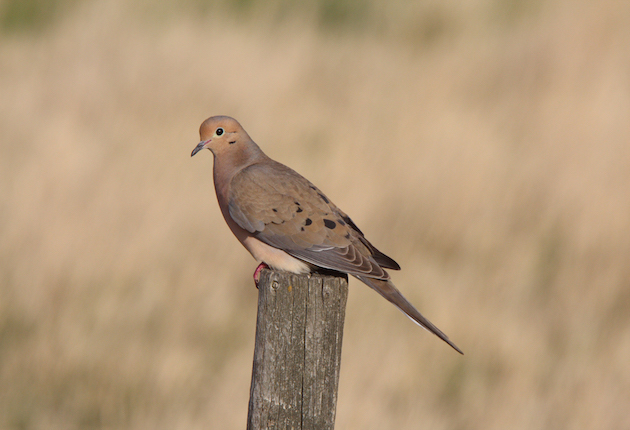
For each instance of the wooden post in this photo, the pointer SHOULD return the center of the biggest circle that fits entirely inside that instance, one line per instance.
(298, 351)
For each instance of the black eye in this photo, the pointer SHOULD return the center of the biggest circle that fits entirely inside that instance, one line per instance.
(219, 131)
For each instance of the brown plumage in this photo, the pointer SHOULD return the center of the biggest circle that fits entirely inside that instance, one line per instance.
(288, 223)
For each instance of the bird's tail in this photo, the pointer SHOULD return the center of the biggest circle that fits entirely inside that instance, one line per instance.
(387, 289)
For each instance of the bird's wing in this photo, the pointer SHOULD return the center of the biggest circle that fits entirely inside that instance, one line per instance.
(283, 209)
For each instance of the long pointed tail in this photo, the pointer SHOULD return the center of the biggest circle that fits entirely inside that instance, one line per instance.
(391, 293)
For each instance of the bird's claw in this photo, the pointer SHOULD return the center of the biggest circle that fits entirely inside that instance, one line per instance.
(260, 267)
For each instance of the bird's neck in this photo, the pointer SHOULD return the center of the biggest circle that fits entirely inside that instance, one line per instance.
(227, 165)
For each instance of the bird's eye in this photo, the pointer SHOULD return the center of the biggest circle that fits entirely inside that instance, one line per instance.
(219, 131)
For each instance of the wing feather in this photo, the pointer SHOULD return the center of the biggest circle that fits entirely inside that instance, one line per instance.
(283, 209)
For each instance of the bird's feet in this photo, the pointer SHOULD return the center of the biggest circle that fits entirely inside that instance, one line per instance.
(260, 267)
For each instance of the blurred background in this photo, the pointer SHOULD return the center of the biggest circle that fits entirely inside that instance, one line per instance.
(484, 144)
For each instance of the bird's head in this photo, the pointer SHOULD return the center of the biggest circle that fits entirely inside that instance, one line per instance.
(220, 134)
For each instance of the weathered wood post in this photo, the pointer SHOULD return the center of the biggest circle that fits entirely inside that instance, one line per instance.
(298, 351)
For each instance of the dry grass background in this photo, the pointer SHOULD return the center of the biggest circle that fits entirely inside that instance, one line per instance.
(485, 145)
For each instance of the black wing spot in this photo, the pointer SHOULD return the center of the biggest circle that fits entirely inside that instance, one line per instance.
(330, 223)
(347, 236)
(323, 197)
(299, 210)
(351, 224)
(301, 228)
(308, 221)
(275, 210)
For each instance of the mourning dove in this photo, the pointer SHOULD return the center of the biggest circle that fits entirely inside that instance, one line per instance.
(286, 222)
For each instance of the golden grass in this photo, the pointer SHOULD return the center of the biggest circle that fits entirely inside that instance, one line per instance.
(493, 163)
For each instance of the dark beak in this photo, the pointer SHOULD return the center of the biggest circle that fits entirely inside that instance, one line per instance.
(199, 147)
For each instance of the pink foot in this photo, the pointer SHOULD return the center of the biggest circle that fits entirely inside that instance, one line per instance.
(260, 267)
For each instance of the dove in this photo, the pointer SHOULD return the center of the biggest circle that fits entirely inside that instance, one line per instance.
(289, 224)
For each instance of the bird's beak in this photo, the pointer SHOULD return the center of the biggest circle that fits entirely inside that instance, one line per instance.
(201, 145)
